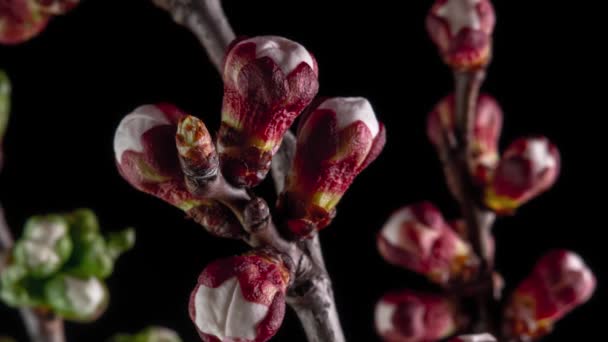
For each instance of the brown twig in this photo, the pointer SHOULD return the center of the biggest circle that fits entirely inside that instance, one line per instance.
(457, 158)
(40, 326)
(310, 294)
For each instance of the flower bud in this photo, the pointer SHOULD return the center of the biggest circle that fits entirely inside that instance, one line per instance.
(528, 167)
(462, 31)
(337, 139)
(17, 288)
(20, 20)
(77, 299)
(408, 316)
(560, 282)
(417, 238)
(146, 154)
(5, 105)
(240, 298)
(474, 338)
(487, 126)
(196, 150)
(56, 7)
(44, 247)
(268, 81)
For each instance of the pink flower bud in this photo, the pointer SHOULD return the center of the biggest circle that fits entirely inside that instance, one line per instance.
(20, 20)
(337, 139)
(240, 298)
(528, 167)
(56, 6)
(560, 282)
(417, 238)
(462, 30)
(474, 338)
(408, 316)
(487, 127)
(146, 156)
(268, 81)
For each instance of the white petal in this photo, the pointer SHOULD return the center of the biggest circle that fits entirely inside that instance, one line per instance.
(351, 109)
(133, 126)
(84, 295)
(223, 312)
(286, 53)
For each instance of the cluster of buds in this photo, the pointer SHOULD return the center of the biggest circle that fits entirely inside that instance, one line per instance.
(418, 238)
(21, 20)
(408, 316)
(560, 282)
(5, 105)
(150, 334)
(462, 31)
(59, 264)
(526, 169)
(268, 82)
(240, 298)
(337, 138)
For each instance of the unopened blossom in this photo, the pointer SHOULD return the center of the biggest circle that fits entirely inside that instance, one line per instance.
(240, 298)
(268, 81)
(462, 31)
(336, 140)
(528, 167)
(75, 298)
(20, 20)
(417, 237)
(560, 282)
(408, 316)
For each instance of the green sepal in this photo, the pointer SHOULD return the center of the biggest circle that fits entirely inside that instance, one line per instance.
(5, 102)
(58, 296)
(150, 334)
(91, 258)
(18, 289)
(120, 242)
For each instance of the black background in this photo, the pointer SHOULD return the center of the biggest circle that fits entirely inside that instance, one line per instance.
(74, 83)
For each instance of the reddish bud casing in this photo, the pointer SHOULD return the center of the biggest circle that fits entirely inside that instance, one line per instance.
(20, 20)
(408, 316)
(240, 298)
(268, 81)
(462, 31)
(528, 167)
(487, 127)
(336, 140)
(560, 282)
(417, 238)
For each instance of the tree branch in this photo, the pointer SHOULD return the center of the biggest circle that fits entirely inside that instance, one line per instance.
(457, 159)
(40, 326)
(206, 19)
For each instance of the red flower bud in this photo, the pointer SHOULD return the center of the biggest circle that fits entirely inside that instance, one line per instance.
(462, 30)
(147, 158)
(56, 6)
(408, 316)
(417, 238)
(336, 140)
(474, 338)
(20, 20)
(240, 298)
(487, 127)
(268, 81)
(528, 167)
(559, 282)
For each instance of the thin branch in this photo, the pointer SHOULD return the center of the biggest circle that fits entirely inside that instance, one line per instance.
(40, 326)
(206, 19)
(457, 158)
